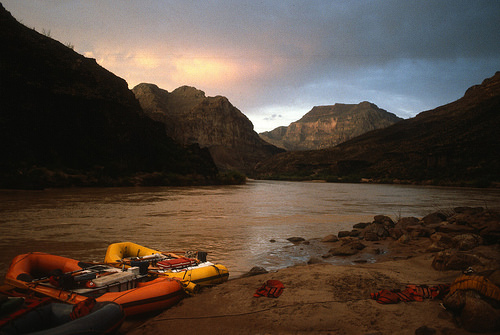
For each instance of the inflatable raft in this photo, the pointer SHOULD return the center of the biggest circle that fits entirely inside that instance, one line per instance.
(40, 316)
(190, 270)
(71, 281)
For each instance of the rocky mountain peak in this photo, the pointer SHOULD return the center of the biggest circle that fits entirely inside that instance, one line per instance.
(454, 144)
(212, 122)
(327, 126)
(189, 92)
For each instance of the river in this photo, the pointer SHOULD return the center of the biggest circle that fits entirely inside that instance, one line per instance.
(239, 226)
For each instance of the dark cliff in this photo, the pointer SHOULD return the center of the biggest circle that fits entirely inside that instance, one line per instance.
(327, 126)
(212, 122)
(455, 144)
(66, 121)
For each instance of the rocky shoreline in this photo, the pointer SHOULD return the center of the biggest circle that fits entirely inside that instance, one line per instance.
(458, 250)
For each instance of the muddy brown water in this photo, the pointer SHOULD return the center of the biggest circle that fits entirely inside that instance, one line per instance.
(239, 226)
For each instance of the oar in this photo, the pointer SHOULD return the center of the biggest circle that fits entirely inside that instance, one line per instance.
(171, 254)
(40, 280)
(147, 257)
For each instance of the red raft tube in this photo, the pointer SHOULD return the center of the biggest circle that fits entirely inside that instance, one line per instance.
(72, 281)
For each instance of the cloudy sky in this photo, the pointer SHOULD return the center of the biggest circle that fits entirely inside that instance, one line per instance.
(275, 60)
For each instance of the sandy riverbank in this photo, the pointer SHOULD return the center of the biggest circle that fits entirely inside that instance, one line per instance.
(328, 299)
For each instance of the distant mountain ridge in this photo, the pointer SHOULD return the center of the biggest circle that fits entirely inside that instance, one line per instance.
(212, 122)
(66, 121)
(326, 126)
(454, 144)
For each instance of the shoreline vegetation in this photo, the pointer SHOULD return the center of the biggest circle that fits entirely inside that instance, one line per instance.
(323, 298)
(478, 183)
(38, 178)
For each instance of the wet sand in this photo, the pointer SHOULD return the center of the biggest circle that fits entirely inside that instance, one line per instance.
(321, 299)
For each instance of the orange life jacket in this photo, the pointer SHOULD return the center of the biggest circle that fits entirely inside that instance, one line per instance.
(271, 289)
(411, 293)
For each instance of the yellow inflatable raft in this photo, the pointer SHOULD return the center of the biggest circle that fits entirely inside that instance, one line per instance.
(192, 271)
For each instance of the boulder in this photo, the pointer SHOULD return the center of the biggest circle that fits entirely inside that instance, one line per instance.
(296, 239)
(378, 229)
(344, 233)
(461, 219)
(330, 238)
(404, 239)
(467, 241)
(385, 220)
(455, 229)
(349, 248)
(419, 231)
(454, 260)
(435, 217)
(490, 232)
(396, 233)
(355, 232)
(406, 221)
(370, 236)
(442, 240)
(361, 225)
(256, 270)
(434, 247)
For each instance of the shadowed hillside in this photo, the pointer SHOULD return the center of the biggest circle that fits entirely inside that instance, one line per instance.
(66, 121)
(455, 144)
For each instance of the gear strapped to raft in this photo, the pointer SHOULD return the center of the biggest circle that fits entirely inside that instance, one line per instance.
(177, 263)
(270, 289)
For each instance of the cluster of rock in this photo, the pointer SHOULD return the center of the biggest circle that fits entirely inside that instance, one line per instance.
(465, 239)
(450, 234)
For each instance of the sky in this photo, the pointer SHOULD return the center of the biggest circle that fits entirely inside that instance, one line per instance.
(275, 60)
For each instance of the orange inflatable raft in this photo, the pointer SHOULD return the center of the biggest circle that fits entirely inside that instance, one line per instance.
(71, 281)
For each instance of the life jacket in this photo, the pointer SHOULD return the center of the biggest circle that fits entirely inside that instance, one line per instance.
(385, 297)
(411, 293)
(421, 292)
(270, 289)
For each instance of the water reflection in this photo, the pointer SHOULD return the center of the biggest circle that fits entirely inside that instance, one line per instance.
(235, 224)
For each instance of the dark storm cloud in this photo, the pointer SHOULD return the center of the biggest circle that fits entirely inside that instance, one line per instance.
(283, 57)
